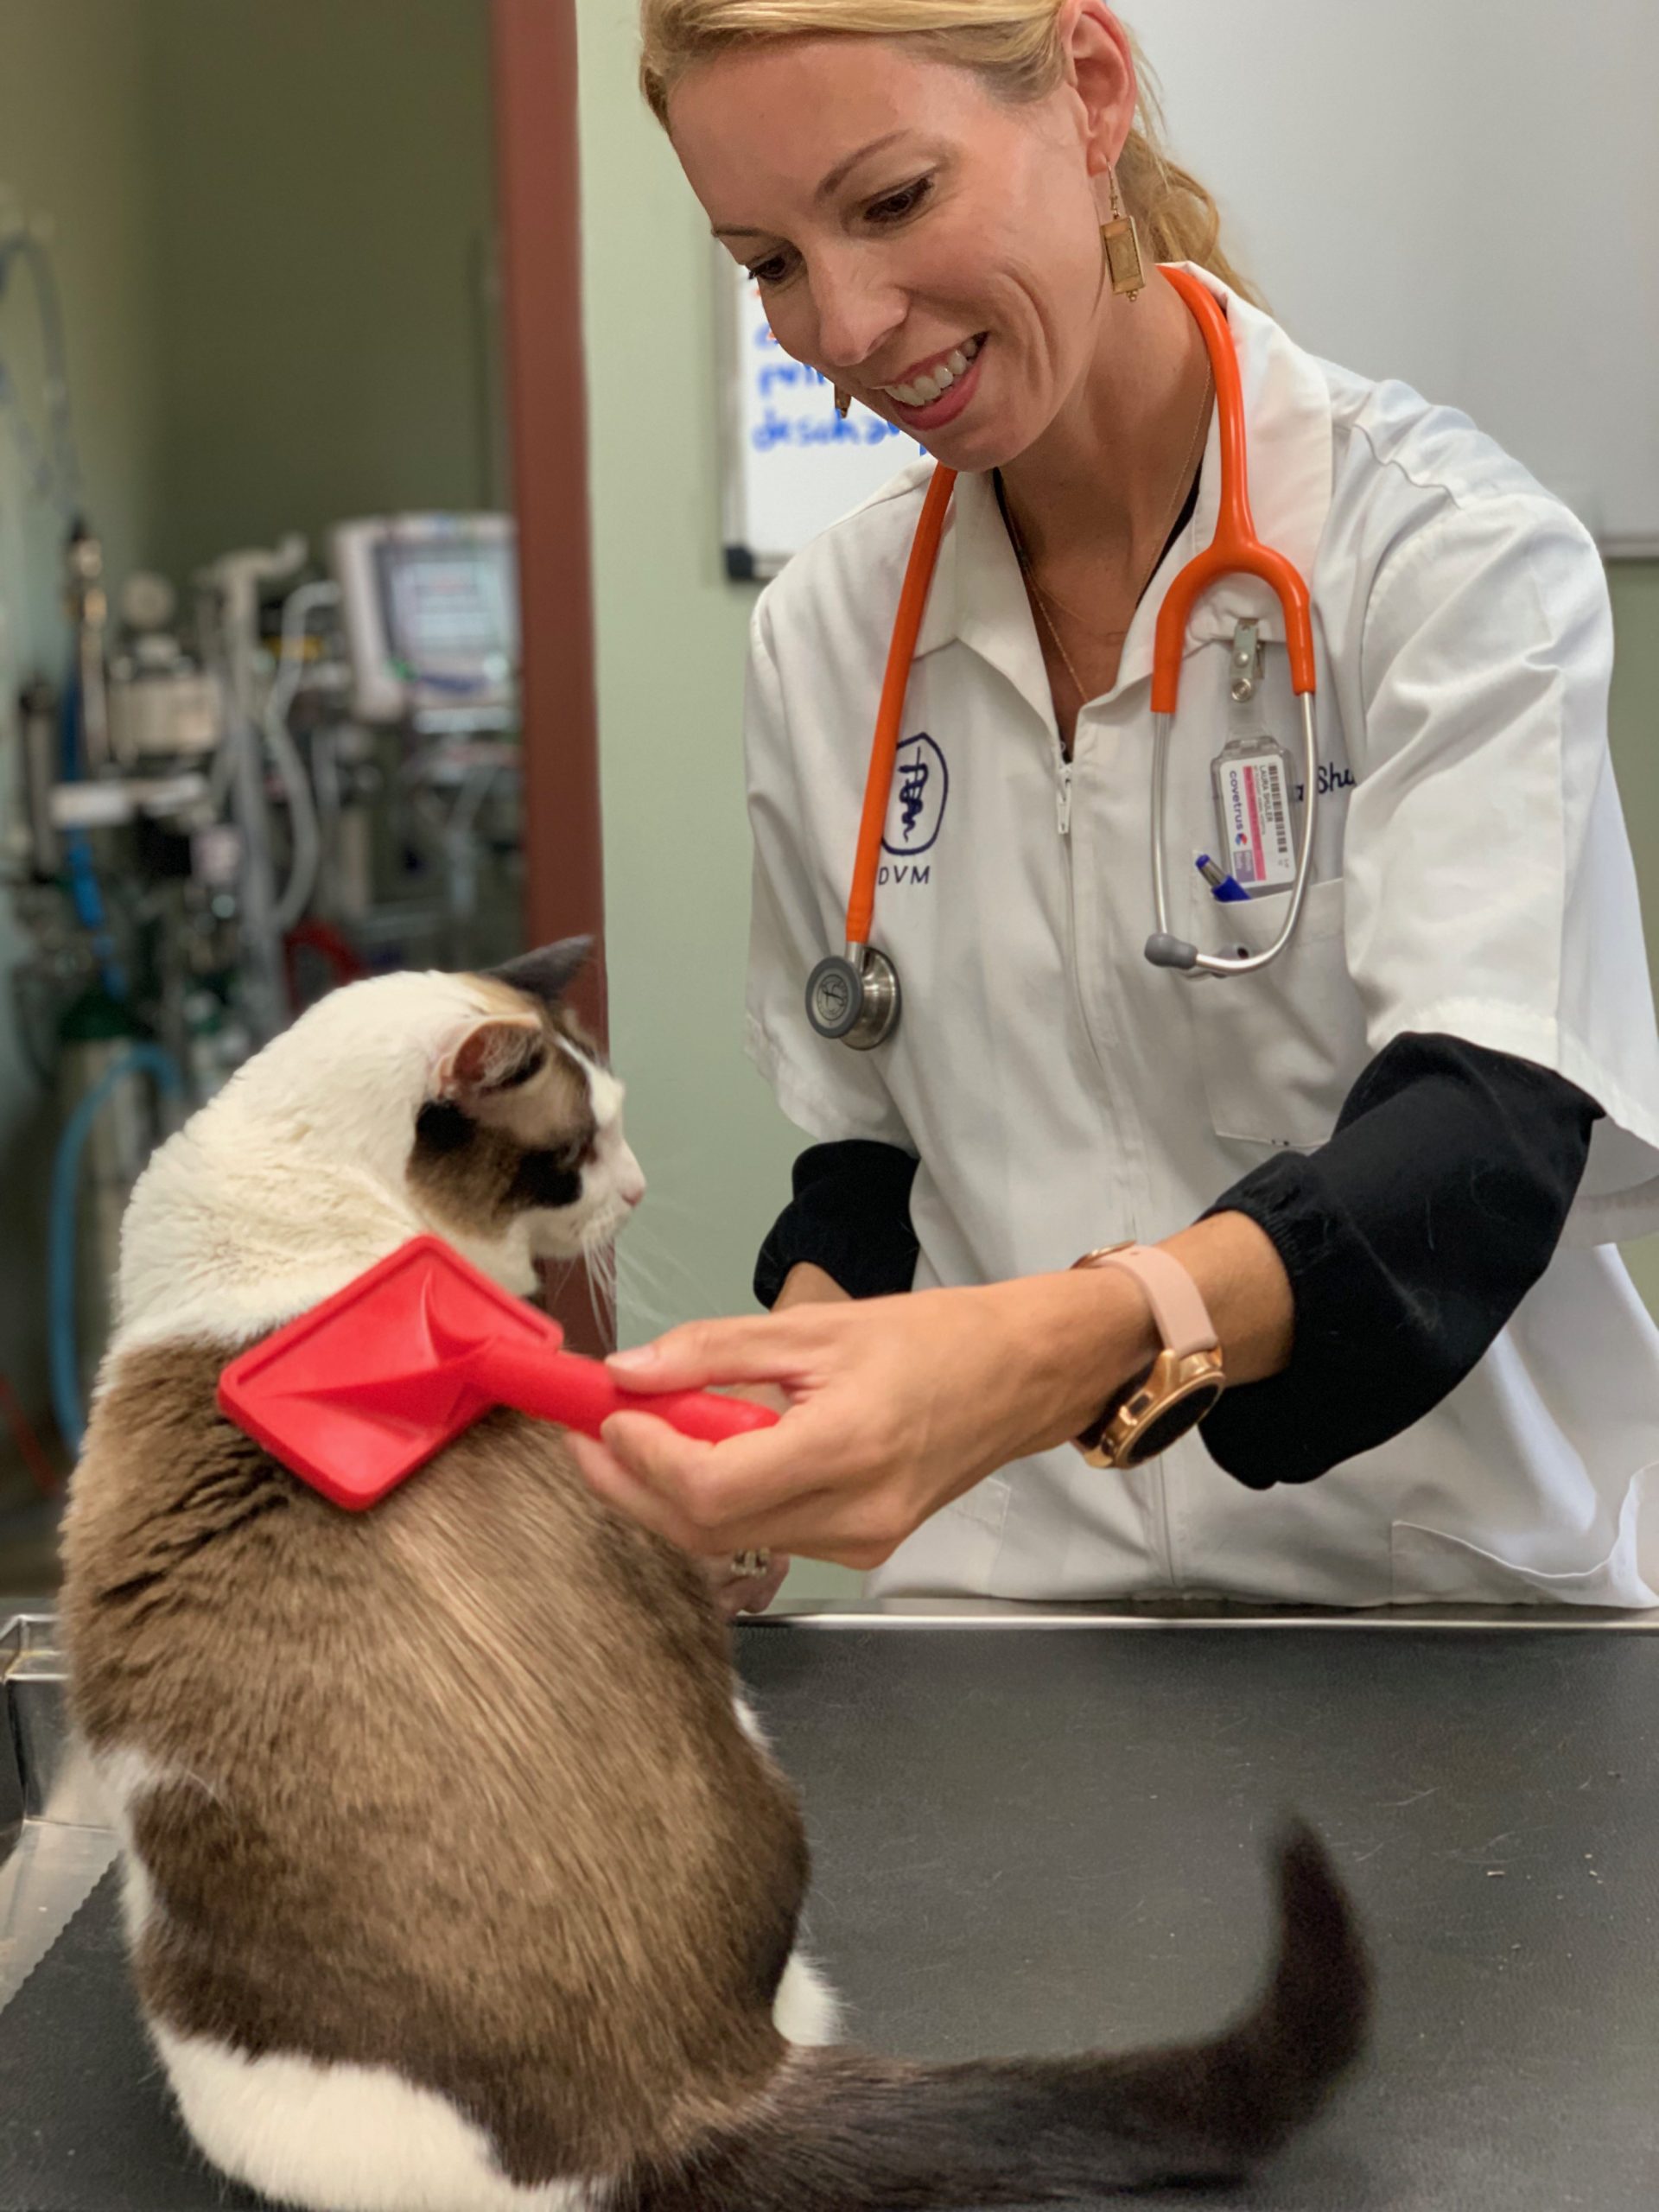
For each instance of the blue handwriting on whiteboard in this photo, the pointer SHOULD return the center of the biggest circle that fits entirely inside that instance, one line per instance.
(785, 373)
(776, 429)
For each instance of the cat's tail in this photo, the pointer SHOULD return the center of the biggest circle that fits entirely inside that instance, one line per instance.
(838, 2132)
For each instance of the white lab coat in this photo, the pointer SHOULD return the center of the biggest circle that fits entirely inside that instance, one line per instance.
(1473, 877)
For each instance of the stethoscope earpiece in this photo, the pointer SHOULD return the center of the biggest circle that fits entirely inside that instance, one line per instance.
(1166, 951)
(854, 998)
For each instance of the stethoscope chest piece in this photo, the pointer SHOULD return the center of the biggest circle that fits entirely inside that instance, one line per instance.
(854, 999)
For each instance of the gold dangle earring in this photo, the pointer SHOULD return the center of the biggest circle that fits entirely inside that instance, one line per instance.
(843, 403)
(1120, 236)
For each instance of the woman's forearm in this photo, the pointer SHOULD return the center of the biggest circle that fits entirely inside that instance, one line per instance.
(1084, 1336)
(1408, 1241)
(848, 1218)
(806, 1285)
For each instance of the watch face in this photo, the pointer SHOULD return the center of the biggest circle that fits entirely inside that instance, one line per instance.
(1168, 1426)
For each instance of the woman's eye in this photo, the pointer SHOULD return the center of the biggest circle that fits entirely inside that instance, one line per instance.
(893, 206)
(772, 271)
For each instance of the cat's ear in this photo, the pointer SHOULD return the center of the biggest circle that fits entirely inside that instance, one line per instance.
(494, 1051)
(548, 973)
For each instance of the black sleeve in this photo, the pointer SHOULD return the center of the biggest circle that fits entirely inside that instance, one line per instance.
(1409, 1239)
(850, 1216)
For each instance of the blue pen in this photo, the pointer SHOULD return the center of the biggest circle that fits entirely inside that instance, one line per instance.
(1222, 888)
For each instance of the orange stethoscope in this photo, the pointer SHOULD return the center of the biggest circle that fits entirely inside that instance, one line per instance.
(854, 997)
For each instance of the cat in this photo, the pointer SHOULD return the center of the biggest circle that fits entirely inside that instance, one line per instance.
(457, 1875)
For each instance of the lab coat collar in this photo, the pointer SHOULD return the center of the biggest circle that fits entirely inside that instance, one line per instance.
(979, 598)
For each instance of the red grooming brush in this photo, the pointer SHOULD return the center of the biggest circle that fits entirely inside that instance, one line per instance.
(357, 1393)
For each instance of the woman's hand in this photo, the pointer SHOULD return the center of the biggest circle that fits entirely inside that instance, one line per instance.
(896, 1406)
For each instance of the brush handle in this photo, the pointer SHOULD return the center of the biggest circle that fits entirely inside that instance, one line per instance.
(581, 1394)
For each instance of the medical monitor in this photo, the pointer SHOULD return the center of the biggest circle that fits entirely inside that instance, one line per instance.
(430, 606)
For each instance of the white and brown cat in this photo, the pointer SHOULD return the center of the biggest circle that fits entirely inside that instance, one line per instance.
(456, 1877)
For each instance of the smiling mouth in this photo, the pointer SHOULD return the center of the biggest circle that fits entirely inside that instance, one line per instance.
(934, 382)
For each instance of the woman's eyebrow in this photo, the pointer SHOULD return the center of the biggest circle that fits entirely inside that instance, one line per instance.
(830, 184)
(843, 170)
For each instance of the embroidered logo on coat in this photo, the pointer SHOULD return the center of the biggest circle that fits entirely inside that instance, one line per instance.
(921, 784)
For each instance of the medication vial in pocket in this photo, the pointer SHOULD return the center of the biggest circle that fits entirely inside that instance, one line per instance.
(1253, 781)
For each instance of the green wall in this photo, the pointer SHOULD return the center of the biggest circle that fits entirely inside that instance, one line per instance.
(1635, 756)
(324, 177)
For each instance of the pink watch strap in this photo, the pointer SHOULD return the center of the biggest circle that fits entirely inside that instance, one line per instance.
(1177, 1304)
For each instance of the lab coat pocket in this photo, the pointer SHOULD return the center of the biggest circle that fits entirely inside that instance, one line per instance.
(1279, 1050)
(1430, 1568)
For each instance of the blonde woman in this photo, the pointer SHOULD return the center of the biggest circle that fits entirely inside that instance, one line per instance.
(1377, 1184)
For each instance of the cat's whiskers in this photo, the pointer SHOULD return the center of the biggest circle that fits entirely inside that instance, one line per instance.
(651, 1301)
(641, 1257)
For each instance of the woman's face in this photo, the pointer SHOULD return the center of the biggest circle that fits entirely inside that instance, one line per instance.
(931, 248)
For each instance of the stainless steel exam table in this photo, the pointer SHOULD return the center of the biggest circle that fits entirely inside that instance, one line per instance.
(1037, 1832)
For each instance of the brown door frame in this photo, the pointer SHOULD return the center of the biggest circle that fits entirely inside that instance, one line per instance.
(538, 194)
(538, 188)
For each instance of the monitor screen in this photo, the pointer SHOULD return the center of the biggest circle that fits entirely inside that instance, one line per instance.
(447, 602)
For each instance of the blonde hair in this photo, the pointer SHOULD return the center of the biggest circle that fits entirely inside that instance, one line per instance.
(1013, 44)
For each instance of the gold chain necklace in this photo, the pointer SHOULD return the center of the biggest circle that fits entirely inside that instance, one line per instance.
(1043, 600)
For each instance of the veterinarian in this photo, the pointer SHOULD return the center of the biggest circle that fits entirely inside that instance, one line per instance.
(1373, 1342)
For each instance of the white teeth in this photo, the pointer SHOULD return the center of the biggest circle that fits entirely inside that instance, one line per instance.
(923, 390)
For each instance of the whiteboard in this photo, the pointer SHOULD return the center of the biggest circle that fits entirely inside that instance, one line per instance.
(791, 466)
(1461, 195)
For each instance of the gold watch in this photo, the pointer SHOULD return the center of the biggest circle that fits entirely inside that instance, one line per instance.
(1183, 1382)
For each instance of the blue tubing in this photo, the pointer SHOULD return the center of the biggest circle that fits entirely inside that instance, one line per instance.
(63, 1340)
(84, 890)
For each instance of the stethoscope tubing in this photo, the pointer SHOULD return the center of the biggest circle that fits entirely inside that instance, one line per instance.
(1236, 549)
(884, 748)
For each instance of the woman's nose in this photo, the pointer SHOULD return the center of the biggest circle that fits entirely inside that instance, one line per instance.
(857, 307)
